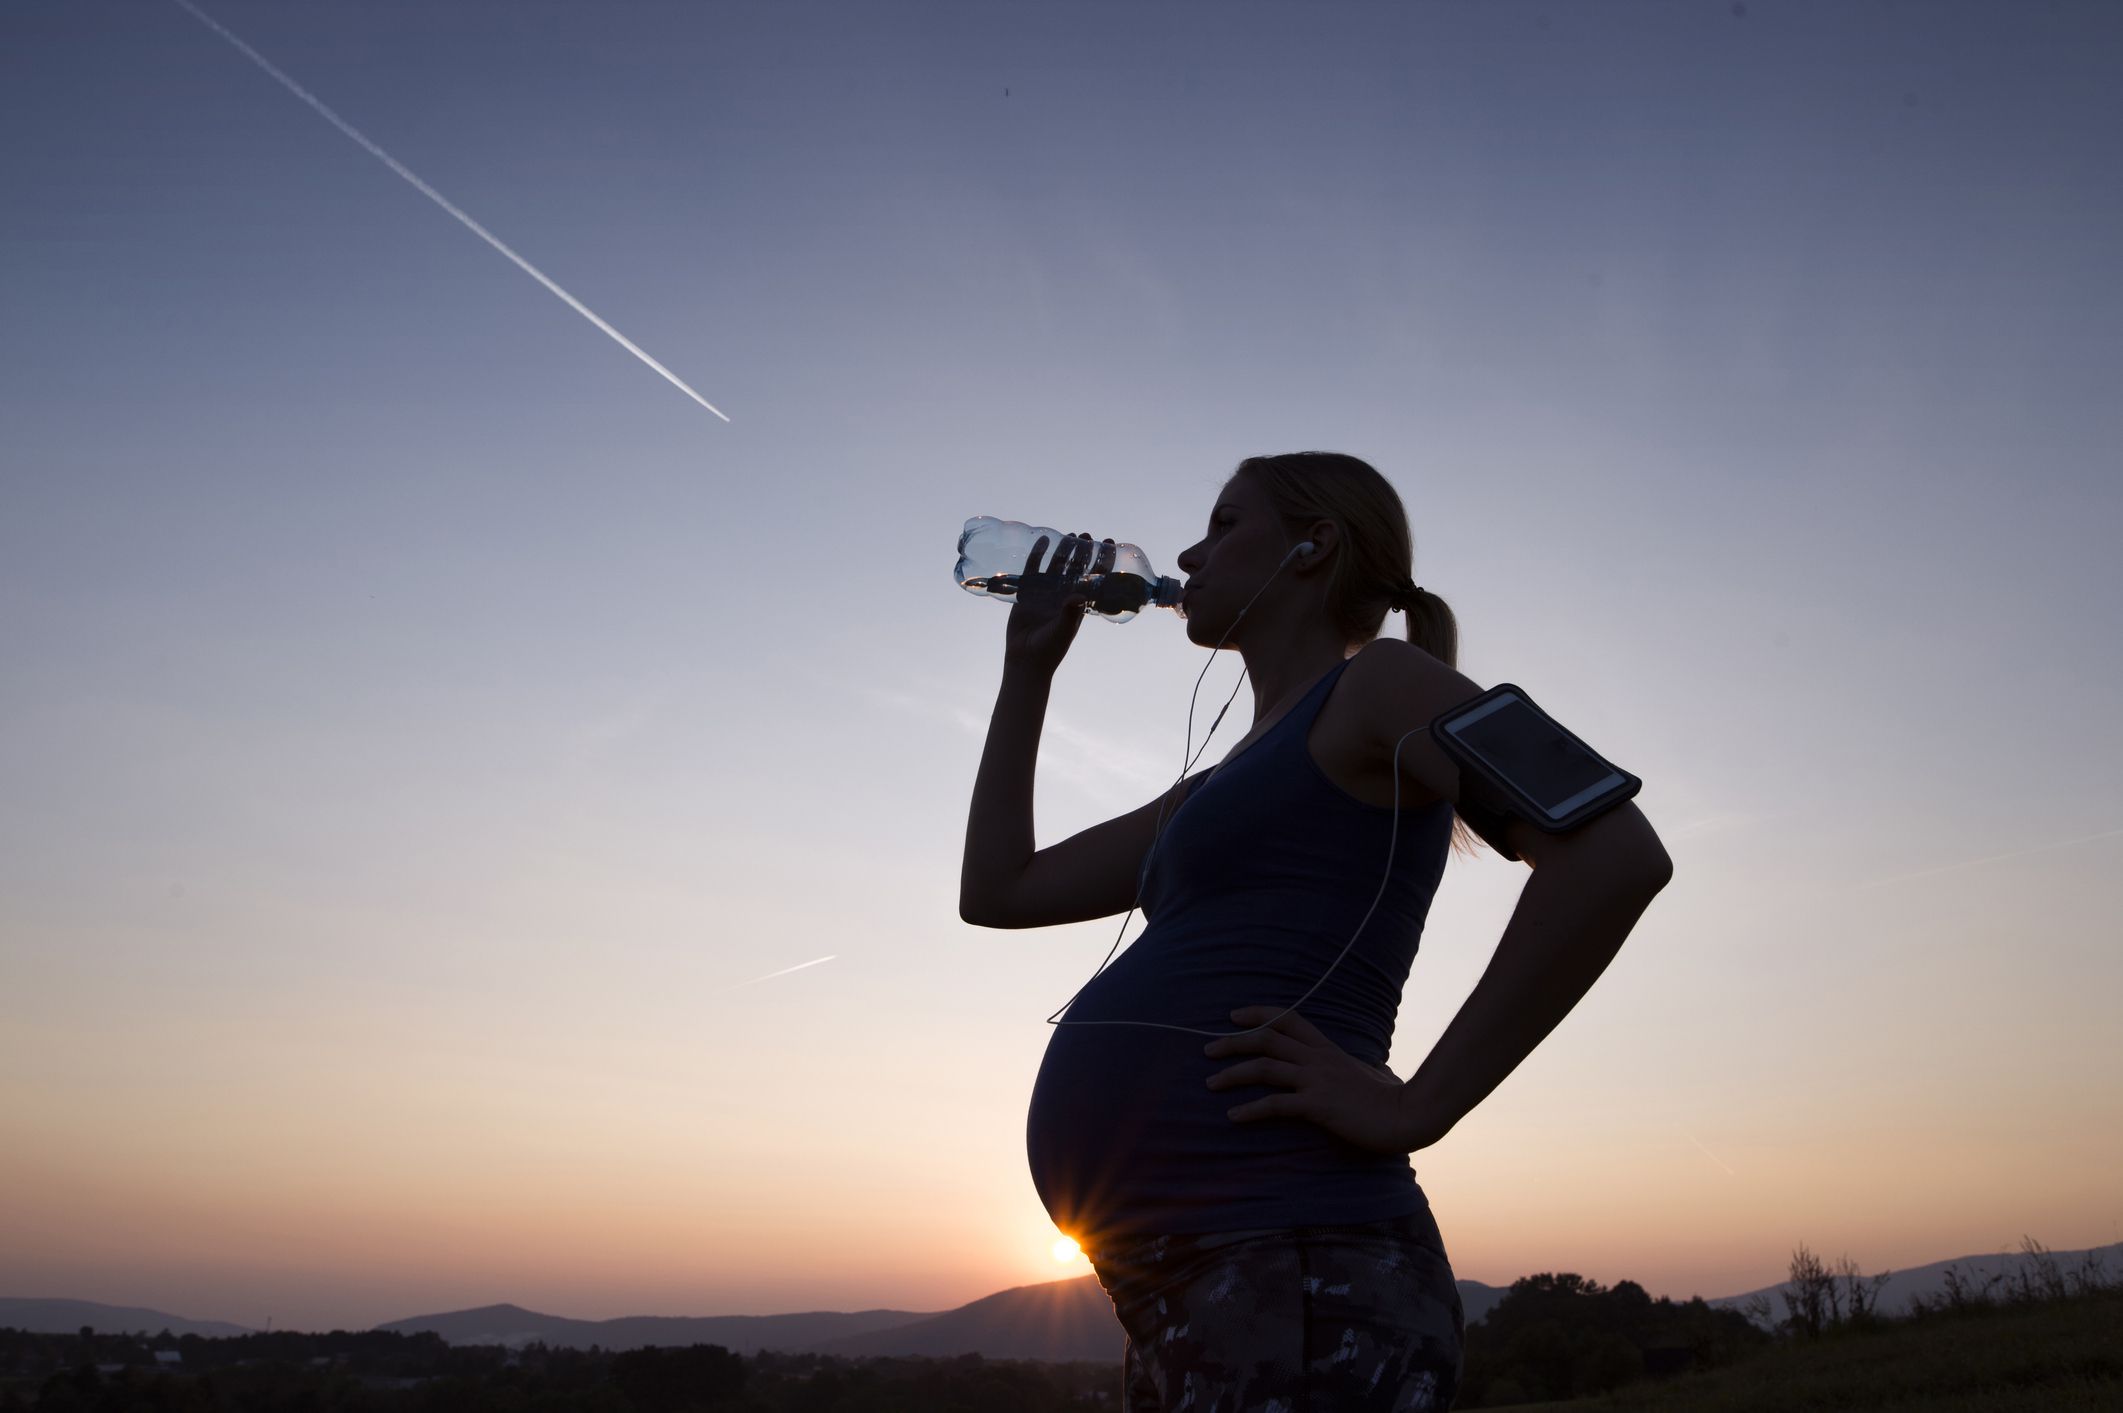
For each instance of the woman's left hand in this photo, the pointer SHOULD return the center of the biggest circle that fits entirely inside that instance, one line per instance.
(1361, 1103)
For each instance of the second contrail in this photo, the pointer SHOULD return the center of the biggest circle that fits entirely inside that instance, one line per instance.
(439, 199)
(1971, 863)
(783, 972)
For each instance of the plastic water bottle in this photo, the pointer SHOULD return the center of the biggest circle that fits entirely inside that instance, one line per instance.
(992, 553)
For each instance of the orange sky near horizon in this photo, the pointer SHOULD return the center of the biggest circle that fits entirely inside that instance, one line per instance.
(437, 758)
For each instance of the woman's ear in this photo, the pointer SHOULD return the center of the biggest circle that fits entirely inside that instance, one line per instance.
(1325, 536)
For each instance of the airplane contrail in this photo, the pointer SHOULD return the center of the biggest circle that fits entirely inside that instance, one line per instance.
(1710, 1155)
(783, 972)
(440, 200)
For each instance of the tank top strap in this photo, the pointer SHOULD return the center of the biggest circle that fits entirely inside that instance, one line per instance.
(1314, 701)
(1306, 710)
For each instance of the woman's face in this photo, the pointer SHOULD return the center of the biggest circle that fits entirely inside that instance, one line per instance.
(1233, 561)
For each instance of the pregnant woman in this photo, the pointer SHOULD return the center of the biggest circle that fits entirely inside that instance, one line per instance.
(1236, 1169)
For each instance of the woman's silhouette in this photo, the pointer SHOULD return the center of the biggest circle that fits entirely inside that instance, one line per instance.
(1247, 1202)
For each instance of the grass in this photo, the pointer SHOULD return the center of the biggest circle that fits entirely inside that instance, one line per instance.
(2055, 1356)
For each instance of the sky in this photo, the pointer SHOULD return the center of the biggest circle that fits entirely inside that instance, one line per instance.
(423, 725)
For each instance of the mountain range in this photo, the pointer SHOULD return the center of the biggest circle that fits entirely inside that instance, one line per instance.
(1058, 1320)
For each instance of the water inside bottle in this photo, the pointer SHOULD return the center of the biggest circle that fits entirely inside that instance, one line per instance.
(992, 554)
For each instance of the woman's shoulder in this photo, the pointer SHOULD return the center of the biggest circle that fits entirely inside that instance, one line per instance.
(1392, 690)
(1394, 670)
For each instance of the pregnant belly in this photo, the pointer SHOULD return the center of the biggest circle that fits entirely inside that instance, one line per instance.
(1123, 1135)
(1099, 1123)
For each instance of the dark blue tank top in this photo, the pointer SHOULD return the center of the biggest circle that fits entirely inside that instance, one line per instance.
(1255, 886)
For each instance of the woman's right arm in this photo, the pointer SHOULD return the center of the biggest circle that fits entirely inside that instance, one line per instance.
(1004, 882)
(1094, 873)
(1045, 613)
(999, 828)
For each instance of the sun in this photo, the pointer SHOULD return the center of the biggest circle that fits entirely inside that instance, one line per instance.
(1066, 1250)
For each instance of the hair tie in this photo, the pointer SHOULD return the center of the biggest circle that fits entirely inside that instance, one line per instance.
(1406, 594)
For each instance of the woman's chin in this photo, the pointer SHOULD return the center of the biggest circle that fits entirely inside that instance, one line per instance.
(1202, 633)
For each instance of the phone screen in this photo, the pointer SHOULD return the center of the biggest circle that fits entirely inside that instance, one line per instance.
(1519, 744)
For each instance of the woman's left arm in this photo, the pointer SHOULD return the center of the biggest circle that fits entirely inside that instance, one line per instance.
(1586, 890)
(1572, 917)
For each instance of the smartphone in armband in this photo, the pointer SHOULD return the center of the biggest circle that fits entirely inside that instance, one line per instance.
(1518, 762)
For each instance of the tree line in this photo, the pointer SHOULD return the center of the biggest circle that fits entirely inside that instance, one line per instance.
(1551, 1336)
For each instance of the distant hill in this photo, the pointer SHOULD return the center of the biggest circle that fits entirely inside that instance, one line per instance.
(1061, 1320)
(1057, 1320)
(68, 1316)
(1930, 1281)
(514, 1326)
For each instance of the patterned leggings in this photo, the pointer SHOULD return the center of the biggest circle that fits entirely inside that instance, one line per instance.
(1326, 1319)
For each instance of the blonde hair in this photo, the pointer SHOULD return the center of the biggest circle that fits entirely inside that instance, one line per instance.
(1377, 552)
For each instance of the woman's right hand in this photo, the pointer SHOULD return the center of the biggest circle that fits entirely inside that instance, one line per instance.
(1049, 604)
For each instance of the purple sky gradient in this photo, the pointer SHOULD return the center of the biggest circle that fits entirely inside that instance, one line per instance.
(417, 714)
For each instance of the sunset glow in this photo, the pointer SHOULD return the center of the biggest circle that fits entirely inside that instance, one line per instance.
(472, 833)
